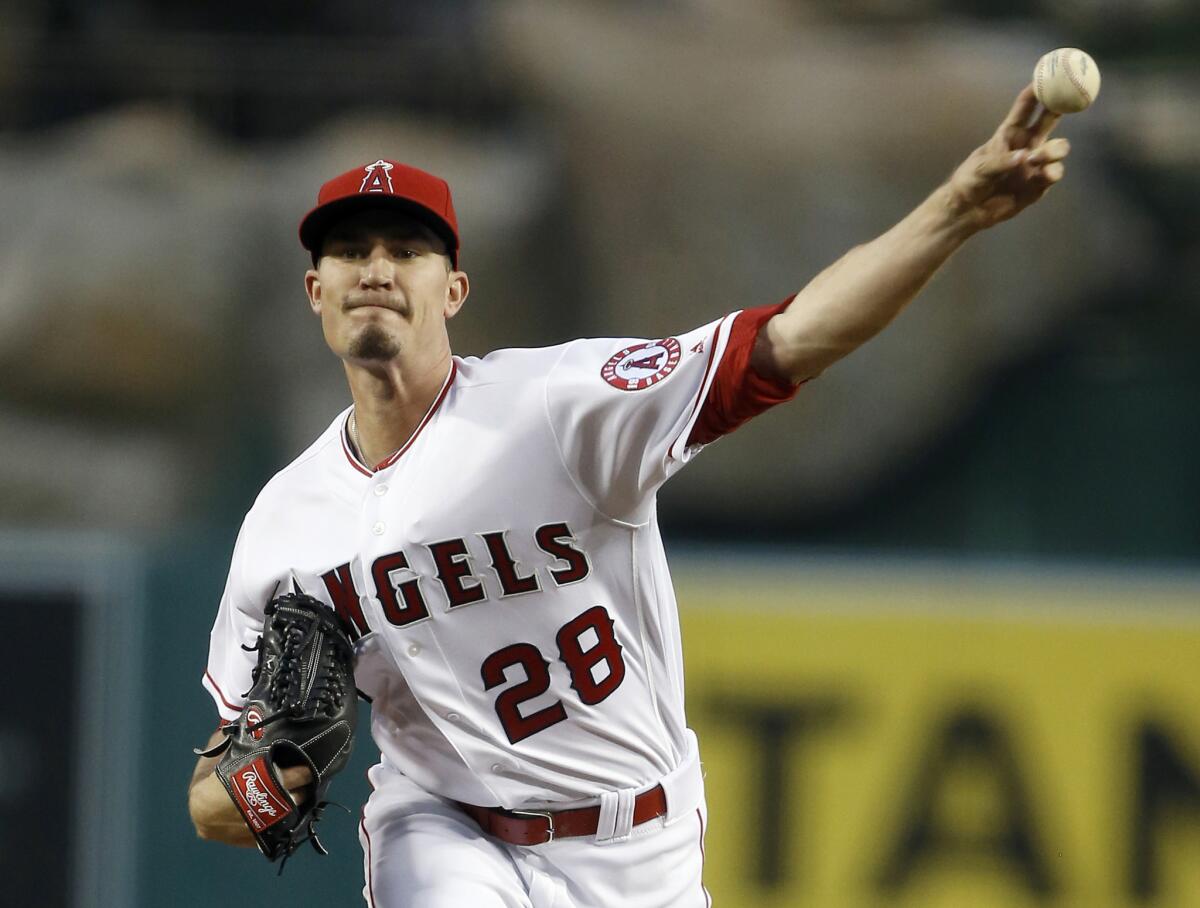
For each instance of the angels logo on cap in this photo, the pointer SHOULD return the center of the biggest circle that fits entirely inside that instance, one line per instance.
(377, 177)
(642, 365)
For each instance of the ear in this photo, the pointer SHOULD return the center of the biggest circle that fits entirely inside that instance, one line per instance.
(312, 286)
(457, 291)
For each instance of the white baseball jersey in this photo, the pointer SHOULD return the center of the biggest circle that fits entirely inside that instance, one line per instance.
(504, 570)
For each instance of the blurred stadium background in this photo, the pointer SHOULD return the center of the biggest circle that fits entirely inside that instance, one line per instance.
(941, 613)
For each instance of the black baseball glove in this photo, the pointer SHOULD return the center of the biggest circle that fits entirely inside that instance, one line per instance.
(300, 711)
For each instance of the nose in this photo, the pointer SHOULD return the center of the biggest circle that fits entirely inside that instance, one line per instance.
(377, 270)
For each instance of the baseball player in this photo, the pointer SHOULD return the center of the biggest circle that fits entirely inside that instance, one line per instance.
(487, 526)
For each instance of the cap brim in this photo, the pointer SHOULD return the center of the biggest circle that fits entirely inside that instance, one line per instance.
(318, 221)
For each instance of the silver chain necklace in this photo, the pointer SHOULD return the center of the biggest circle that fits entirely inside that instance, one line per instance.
(362, 455)
(354, 437)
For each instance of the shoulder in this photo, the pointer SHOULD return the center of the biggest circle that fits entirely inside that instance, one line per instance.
(582, 362)
(638, 363)
(514, 365)
(309, 471)
(588, 354)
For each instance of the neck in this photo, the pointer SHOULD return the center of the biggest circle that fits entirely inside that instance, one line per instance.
(390, 402)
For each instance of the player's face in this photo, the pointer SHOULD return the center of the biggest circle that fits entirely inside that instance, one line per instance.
(383, 287)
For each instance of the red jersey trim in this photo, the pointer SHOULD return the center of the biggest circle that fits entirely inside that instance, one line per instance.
(739, 392)
(715, 352)
(424, 421)
(220, 694)
(345, 433)
(396, 455)
(370, 875)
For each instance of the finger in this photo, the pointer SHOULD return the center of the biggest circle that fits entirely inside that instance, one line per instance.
(1054, 150)
(1043, 179)
(295, 777)
(995, 163)
(1042, 127)
(1054, 172)
(1022, 109)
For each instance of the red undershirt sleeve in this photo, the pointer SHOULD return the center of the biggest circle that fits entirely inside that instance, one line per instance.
(739, 391)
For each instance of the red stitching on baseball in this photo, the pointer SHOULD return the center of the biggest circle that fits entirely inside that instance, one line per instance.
(1074, 81)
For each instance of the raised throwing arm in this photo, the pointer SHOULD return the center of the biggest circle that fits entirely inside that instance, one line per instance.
(858, 295)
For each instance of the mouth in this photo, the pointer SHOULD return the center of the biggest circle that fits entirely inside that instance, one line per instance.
(371, 302)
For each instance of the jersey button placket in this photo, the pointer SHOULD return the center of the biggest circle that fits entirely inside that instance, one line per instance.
(374, 543)
(373, 511)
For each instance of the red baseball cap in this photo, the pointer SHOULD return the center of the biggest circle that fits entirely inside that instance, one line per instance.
(383, 184)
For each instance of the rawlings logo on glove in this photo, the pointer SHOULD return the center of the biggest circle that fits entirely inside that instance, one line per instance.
(260, 801)
(300, 711)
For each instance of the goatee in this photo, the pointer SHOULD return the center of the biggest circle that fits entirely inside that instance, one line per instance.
(374, 343)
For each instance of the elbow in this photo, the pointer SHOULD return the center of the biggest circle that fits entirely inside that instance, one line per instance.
(203, 832)
(215, 819)
(199, 823)
(804, 363)
(203, 820)
(208, 831)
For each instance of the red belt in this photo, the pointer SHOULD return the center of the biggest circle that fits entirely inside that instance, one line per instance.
(536, 827)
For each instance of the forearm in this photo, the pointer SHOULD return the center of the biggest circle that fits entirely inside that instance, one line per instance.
(858, 295)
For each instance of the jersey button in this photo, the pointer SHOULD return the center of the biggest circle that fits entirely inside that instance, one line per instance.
(381, 489)
(379, 528)
(453, 717)
(414, 649)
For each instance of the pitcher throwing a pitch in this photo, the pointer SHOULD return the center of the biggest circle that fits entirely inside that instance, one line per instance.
(487, 529)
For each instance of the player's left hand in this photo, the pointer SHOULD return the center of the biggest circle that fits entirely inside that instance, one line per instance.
(1013, 169)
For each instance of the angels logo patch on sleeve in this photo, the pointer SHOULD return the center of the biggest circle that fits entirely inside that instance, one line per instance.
(642, 365)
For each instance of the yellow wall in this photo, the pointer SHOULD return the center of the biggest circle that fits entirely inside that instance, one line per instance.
(909, 739)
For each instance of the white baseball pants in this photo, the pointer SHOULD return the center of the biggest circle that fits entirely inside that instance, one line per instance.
(420, 851)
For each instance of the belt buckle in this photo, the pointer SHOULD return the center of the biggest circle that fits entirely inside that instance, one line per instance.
(544, 814)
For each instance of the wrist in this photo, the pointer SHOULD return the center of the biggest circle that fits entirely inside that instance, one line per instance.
(950, 215)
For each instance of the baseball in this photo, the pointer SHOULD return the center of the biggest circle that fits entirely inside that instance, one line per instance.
(1066, 80)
